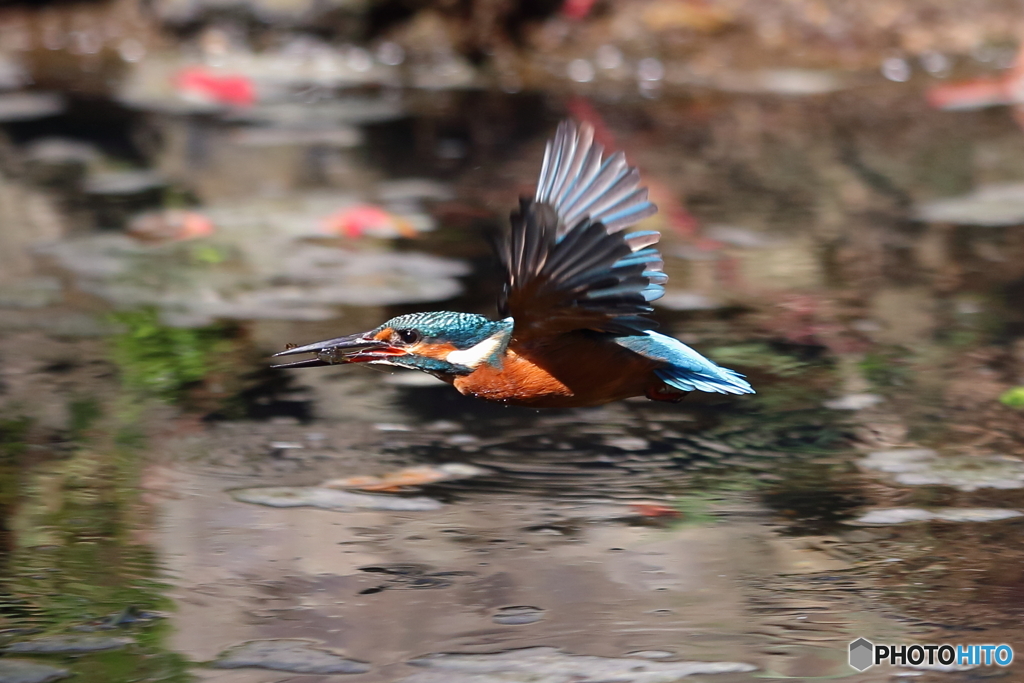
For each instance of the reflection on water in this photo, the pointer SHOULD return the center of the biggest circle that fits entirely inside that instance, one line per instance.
(825, 246)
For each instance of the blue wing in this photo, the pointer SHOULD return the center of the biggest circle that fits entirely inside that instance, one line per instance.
(569, 262)
(687, 370)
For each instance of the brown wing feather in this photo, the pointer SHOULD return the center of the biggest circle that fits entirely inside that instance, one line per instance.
(550, 282)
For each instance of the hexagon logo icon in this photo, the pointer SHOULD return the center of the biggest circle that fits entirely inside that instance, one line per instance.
(862, 654)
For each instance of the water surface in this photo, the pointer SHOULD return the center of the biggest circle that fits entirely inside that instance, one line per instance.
(722, 529)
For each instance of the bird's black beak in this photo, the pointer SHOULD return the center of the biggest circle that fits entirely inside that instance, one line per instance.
(355, 348)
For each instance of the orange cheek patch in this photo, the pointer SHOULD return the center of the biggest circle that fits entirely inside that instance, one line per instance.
(438, 351)
(384, 334)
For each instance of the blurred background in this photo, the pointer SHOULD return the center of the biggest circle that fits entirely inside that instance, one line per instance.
(186, 186)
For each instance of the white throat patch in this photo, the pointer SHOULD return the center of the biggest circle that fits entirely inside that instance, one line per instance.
(475, 355)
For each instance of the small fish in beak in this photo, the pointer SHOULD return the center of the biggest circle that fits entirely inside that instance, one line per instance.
(355, 348)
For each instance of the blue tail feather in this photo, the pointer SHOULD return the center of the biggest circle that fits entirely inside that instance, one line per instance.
(686, 369)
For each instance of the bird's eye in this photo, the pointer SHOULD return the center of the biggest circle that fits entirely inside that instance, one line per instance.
(408, 336)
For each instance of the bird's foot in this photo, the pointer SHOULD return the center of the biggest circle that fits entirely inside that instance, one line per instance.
(665, 393)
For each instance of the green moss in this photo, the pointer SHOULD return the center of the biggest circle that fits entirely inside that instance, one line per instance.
(13, 433)
(79, 564)
(1014, 398)
(178, 198)
(695, 509)
(84, 413)
(783, 397)
(71, 557)
(207, 254)
(162, 361)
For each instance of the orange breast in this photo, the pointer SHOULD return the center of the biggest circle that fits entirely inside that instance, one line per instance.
(572, 370)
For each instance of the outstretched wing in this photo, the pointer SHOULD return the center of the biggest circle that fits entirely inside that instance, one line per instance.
(569, 262)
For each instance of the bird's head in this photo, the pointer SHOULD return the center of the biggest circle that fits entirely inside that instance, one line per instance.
(441, 343)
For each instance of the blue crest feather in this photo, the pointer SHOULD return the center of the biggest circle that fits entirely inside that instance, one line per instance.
(462, 330)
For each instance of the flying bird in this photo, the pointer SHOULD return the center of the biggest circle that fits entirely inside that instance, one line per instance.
(573, 328)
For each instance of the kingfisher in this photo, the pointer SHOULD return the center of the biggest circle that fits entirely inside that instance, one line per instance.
(573, 328)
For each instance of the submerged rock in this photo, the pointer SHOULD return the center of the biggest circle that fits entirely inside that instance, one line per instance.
(990, 206)
(899, 460)
(25, 106)
(924, 467)
(324, 114)
(123, 183)
(61, 150)
(551, 665)
(904, 515)
(34, 292)
(259, 271)
(59, 162)
(295, 656)
(24, 671)
(373, 278)
(342, 137)
(114, 196)
(330, 499)
(69, 644)
(627, 443)
(518, 615)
